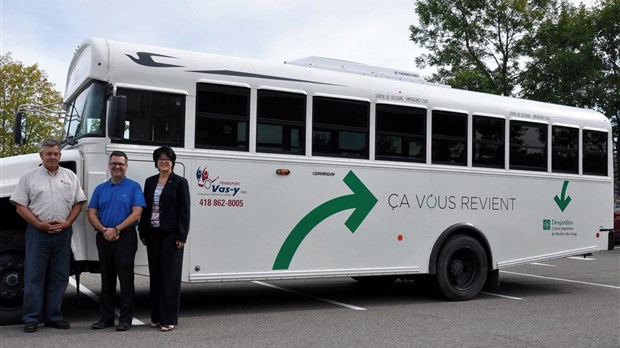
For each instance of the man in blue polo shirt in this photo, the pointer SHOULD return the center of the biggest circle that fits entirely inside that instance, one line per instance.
(114, 210)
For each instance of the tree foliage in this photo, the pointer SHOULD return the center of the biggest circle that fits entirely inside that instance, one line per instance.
(562, 59)
(574, 59)
(545, 50)
(477, 44)
(607, 37)
(25, 85)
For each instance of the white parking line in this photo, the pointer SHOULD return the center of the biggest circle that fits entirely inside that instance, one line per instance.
(541, 264)
(564, 280)
(581, 258)
(310, 296)
(86, 291)
(502, 296)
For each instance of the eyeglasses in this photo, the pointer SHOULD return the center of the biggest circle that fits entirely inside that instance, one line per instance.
(164, 159)
(114, 164)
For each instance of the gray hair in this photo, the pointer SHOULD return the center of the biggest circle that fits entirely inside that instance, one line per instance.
(49, 143)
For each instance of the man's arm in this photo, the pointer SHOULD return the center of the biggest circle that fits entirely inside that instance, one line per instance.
(136, 212)
(94, 220)
(75, 212)
(109, 233)
(30, 218)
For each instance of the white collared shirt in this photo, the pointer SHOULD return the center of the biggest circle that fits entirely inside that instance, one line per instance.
(49, 196)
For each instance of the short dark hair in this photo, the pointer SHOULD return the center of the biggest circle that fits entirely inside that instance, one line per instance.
(119, 154)
(167, 151)
(48, 143)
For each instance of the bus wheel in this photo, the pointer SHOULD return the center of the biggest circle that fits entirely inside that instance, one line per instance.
(376, 280)
(461, 268)
(11, 286)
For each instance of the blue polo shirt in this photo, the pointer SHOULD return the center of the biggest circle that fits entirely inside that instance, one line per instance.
(115, 201)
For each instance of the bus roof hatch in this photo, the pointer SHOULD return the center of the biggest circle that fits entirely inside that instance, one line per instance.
(358, 68)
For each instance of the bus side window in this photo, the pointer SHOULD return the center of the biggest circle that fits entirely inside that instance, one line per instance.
(401, 133)
(528, 146)
(488, 142)
(594, 153)
(565, 150)
(222, 116)
(449, 138)
(154, 118)
(281, 122)
(340, 127)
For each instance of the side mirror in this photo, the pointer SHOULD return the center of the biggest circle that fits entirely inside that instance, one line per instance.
(18, 137)
(117, 115)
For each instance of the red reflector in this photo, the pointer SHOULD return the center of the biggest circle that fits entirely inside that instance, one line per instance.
(598, 235)
(283, 172)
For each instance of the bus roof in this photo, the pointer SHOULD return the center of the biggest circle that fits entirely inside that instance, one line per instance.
(166, 69)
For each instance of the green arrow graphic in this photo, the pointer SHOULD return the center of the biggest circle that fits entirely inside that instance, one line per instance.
(564, 200)
(362, 201)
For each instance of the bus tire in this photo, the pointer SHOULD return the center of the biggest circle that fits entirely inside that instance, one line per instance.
(376, 280)
(461, 268)
(11, 286)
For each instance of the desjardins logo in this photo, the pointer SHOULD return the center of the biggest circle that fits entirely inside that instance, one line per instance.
(546, 225)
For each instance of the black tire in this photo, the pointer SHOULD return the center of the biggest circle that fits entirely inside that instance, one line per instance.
(11, 286)
(376, 280)
(461, 268)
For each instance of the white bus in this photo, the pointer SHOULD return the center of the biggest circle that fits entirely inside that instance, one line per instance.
(326, 168)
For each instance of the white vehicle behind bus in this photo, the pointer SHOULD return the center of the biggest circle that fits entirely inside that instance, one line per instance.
(326, 168)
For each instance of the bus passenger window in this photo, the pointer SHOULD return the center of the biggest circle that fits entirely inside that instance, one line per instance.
(222, 116)
(154, 118)
(528, 146)
(594, 153)
(488, 142)
(449, 139)
(565, 150)
(401, 133)
(340, 127)
(281, 122)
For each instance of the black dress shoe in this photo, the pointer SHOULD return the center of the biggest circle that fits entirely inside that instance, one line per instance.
(101, 325)
(60, 324)
(30, 327)
(123, 327)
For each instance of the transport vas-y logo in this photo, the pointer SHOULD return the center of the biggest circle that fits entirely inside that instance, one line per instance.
(215, 185)
(202, 175)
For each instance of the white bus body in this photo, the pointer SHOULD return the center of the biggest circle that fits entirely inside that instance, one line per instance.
(359, 210)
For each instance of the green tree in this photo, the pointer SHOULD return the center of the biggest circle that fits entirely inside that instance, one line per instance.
(574, 59)
(25, 85)
(607, 35)
(562, 59)
(477, 44)
(546, 50)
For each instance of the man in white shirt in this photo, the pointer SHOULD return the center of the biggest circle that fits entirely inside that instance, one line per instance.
(49, 198)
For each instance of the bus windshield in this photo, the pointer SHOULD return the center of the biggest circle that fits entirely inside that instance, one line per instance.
(86, 113)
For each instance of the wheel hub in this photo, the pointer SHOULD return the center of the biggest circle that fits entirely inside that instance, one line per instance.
(11, 279)
(457, 267)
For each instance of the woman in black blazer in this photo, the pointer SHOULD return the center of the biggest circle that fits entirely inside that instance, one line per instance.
(163, 227)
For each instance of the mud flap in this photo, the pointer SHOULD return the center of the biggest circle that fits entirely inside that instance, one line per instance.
(492, 282)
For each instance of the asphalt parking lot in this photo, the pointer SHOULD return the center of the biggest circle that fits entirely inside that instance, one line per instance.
(571, 302)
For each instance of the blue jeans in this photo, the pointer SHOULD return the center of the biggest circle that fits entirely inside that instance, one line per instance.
(51, 254)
